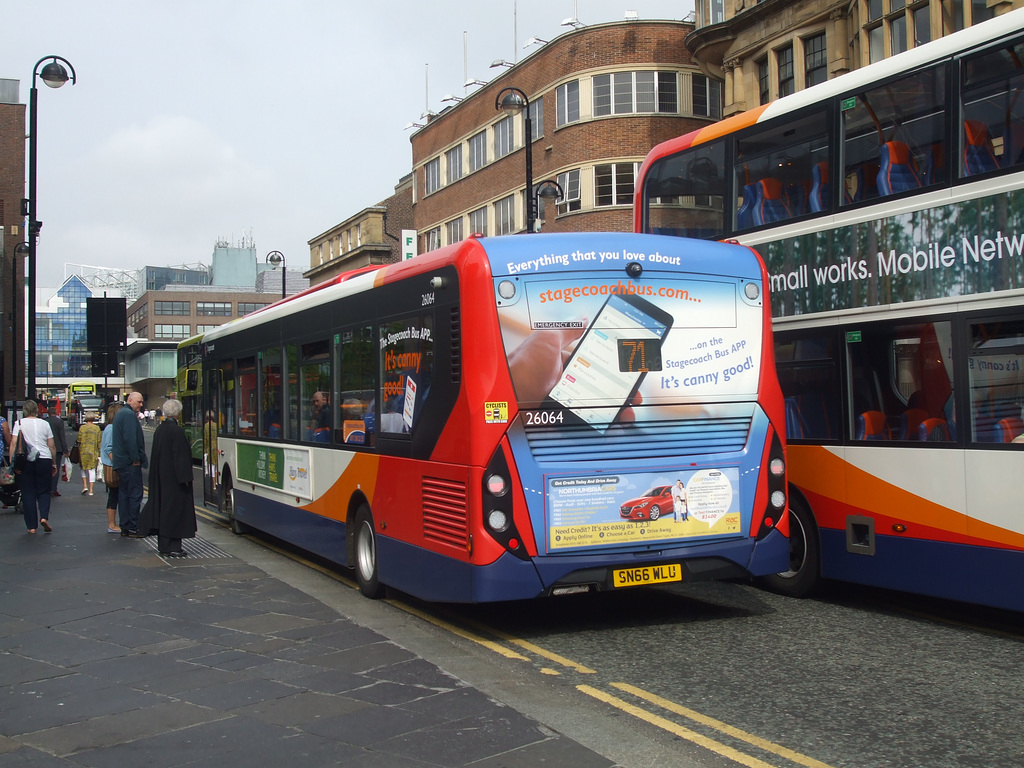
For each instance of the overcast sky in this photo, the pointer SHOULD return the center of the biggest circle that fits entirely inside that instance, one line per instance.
(198, 120)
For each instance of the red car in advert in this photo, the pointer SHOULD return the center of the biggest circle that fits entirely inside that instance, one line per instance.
(652, 505)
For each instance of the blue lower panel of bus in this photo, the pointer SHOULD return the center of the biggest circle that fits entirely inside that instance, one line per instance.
(313, 533)
(431, 576)
(981, 575)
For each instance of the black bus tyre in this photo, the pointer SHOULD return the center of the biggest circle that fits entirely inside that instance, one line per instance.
(367, 572)
(227, 506)
(804, 574)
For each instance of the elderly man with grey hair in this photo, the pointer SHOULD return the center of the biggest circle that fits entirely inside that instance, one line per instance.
(170, 511)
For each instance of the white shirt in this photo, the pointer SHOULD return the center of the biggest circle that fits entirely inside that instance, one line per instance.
(37, 431)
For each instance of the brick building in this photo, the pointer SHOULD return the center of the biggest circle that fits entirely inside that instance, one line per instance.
(600, 97)
(12, 265)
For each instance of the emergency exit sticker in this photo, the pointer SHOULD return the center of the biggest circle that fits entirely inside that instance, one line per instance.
(496, 413)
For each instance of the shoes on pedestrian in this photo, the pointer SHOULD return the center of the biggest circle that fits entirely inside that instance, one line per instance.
(31, 530)
(46, 526)
(85, 491)
(136, 534)
(114, 530)
(55, 493)
(181, 553)
(90, 493)
(124, 531)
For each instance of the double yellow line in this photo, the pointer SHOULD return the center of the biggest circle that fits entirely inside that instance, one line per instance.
(502, 647)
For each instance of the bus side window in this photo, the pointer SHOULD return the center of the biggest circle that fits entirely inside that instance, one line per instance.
(809, 376)
(992, 132)
(247, 400)
(996, 382)
(356, 382)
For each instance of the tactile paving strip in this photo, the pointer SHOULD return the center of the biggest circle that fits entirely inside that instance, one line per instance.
(197, 548)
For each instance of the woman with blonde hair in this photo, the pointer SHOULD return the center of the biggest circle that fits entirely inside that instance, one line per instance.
(88, 451)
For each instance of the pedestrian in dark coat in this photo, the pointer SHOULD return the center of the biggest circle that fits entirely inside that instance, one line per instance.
(170, 511)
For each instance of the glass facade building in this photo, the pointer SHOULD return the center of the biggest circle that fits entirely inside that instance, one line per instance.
(61, 340)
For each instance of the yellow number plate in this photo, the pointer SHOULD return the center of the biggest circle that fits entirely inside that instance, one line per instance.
(649, 574)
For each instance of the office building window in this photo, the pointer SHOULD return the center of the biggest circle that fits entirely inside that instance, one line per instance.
(784, 61)
(432, 240)
(570, 184)
(478, 151)
(567, 103)
(432, 175)
(220, 308)
(453, 161)
(245, 307)
(623, 93)
(505, 215)
(764, 82)
(815, 60)
(503, 137)
(454, 230)
(707, 97)
(171, 331)
(172, 307)
(537, 118)
(613, 184)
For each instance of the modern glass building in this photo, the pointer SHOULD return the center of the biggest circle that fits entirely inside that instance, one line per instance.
(62, 348)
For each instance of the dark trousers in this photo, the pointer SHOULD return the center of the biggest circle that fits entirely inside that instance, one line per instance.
(165, 545)
(56, 478)
(35, 491)
(129, 497)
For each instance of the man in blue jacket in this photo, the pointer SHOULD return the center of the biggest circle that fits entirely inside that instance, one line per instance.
(129, 460)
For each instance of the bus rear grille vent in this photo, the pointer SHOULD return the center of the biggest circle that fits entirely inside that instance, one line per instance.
(445, 515)
(456, 346)
(663, 439)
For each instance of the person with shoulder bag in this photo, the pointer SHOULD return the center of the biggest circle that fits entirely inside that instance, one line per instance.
(110, 479)
(34, 440)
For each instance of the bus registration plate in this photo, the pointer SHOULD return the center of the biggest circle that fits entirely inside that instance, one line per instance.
(650, 574)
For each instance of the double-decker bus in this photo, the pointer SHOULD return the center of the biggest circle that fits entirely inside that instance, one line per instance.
(513, 417)
(81, 397)
(188, 386)
(888, 206)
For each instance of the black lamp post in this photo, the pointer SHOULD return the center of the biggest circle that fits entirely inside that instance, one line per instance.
(512, 101)
(274, 258)
(17, 348)
(549, 190)
(54, 75)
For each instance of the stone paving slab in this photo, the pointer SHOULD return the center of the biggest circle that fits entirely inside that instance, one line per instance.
(113, 657)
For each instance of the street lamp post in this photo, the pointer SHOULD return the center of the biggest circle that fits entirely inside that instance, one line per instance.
(512, 101)
(17, 347)
(549, 190)
(274, 258)
(54, 75)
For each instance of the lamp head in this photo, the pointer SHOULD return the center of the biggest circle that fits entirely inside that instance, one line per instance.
(54, 75)
(511, 102)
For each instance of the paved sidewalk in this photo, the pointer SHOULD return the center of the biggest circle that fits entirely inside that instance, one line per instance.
(111, 656)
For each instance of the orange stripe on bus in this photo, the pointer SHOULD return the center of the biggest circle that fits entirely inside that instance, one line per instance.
(360, 474)
(843, 489)
(729, 125)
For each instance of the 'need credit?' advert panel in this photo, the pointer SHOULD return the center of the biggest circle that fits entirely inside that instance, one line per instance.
(637, 508)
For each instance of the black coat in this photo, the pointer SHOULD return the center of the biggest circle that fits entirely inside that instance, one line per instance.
(170, 511)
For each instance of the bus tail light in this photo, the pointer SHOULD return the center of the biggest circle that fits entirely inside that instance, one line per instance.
(777, 498)
(497, 506)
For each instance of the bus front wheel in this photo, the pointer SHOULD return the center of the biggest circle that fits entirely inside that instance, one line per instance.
(804, 572)
(227, 506)
(367, 572)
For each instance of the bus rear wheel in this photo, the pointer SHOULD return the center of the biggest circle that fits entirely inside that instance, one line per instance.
(367, 572)
(804, 572)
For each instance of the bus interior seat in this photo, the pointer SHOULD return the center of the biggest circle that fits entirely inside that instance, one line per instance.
(896, 171)
(1010, 428)
(934, 430)
(819, 199)
(795, 194)
(872, 425)
(818, 419)
(979, 156)
(794, 422)
(769, 205)
(745, 213)
(910, 420)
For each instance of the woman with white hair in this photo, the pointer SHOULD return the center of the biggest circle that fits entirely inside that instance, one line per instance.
(170, 511)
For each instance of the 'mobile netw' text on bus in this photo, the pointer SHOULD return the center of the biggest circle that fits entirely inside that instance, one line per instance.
(514, 417)
(888, 206)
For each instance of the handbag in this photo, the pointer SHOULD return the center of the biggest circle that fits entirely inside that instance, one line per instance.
(20, 455)
(110, 478)
(76, 455)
